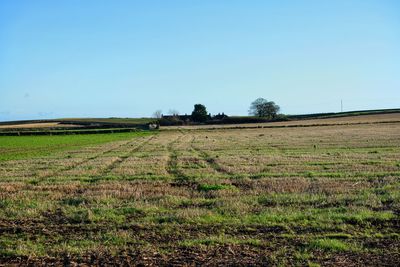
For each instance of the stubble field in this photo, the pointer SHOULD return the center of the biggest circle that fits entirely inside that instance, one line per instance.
(327, 195)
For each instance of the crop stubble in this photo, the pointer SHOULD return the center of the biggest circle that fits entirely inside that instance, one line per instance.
(327, 195)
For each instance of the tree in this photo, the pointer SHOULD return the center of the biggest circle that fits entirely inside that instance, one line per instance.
(199, 113)
(264, 108)
(157, 114)
(173, 112)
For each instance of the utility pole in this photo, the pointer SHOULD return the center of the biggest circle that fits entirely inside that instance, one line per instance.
(341, 105)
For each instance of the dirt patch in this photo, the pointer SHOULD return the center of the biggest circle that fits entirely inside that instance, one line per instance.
(220, 255)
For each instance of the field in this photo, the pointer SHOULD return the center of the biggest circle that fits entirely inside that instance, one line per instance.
(37, 125)
(25, 147)
(131, 121)
(365, 119)
(74, 126)
(315, 195)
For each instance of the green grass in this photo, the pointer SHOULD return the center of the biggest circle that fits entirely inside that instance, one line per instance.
(24, 147)
(213, 187)
(334, 245)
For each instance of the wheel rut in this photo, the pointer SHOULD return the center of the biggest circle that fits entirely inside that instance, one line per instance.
(211, 161)
(85, 160)
(179, 178)
(115, 163)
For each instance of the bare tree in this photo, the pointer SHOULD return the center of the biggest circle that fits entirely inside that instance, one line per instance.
(157, 114)
(173, 112)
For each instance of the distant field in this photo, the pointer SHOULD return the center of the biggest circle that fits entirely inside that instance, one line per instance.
(367, 116)
(73, 126)
(37, 125)
(66, 123)
(345, 114)
(260, 196)
(112, 120)
(360, 119)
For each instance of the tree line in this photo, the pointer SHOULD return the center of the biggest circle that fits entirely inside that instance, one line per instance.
(260, 108)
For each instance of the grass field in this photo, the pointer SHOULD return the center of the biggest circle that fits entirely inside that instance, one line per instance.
(21, 147)
(286, 196)
(112, 120)
(37, 125)
(364, 119)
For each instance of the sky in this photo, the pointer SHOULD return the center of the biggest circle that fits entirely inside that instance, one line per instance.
(101, 58)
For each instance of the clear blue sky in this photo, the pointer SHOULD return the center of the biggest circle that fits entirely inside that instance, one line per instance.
(101, 58)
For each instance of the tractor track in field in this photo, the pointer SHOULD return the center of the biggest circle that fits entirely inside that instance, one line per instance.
(113, 165)
(94, 157)
(211, 161)
(179, 178)
(86, 160)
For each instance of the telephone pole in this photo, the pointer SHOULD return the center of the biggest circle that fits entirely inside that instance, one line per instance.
(341, 105)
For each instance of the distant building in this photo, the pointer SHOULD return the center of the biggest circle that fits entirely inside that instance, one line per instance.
(184, 118)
